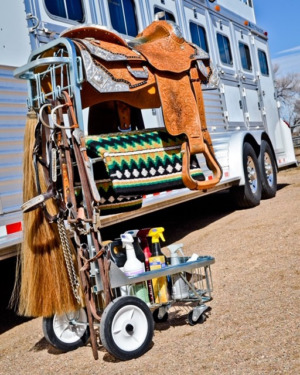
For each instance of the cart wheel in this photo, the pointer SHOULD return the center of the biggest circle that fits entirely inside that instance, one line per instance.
(64, 332)
(200, 320)
(157, 319)
(126, 327)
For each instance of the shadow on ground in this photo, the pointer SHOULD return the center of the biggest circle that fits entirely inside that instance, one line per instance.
(8, 317)
(190, 216)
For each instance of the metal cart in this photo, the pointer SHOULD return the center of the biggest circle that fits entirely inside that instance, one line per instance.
(126, 323)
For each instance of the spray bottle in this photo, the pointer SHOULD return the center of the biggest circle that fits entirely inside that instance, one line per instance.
(158, 261)
(180, 289)
(134, 267)
(136, 244)
(118, 255)
(142, 236)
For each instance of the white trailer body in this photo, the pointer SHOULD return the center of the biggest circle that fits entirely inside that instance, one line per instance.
(241, 108)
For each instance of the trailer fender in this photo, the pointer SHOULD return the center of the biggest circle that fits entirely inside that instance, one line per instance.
(266, 138)
(236, 143)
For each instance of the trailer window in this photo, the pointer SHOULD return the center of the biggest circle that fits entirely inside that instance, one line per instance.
(123, 16)
(168, 15)
(224, 49)
(69, 9)
(247, 2)
(245, 56)
(198, 35)
(263, 62)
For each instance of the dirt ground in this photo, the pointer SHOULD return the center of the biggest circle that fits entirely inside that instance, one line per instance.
(253, 326)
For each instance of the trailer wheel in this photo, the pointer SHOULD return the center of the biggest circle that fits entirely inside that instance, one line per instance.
(64, 331)
(268, 171)
(249, 195)
(126, 327)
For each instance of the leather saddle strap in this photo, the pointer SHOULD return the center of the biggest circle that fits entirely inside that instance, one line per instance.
(66, 167)
(85, 282)
(211, 160)
(196, 84)
(88, 201)
(80, 159)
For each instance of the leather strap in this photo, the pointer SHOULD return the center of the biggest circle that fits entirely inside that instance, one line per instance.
(87, 296)
(195, 145)
(80, 155)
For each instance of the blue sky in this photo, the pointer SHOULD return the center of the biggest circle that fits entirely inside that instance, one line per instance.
(281, 19)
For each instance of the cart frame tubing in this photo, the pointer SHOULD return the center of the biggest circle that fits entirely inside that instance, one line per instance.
(75, 71)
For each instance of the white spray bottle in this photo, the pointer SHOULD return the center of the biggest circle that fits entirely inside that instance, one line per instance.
(136, 244)
(134, 267)
(180, 289)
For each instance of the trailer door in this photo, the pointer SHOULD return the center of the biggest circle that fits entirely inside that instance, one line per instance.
(266, 85)
(227, 65)
(197, 31)
(251, 95)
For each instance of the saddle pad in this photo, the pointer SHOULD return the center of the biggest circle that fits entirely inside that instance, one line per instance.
(142, 162)
(110, 202)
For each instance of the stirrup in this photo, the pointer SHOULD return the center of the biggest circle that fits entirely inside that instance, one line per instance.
(211, 161)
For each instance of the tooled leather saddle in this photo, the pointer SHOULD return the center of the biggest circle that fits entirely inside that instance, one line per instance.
(157, 68)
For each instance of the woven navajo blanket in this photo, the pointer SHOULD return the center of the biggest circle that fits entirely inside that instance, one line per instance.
(110, 202)
(142, 162)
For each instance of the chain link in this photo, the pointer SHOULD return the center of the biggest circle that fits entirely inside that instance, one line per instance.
(68, 259)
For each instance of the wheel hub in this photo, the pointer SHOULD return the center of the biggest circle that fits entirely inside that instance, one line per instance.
(268, 169)
(128, 328)
(252, 175)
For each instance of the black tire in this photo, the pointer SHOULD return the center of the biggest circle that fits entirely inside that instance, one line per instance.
(63, 333)
(200, 320)
(157, 319)
(268, 171)
(249, 195)
(126, 327)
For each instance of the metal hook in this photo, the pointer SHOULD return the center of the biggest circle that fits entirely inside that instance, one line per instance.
(55, 123)
(41, 116)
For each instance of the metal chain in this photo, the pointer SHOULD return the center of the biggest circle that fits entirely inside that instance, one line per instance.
(68, 259)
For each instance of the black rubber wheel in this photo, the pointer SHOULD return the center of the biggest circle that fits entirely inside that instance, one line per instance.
(268, 171)
(201, 319)
(126, 327)
(63, 333)
(249, 195)
(157, 319)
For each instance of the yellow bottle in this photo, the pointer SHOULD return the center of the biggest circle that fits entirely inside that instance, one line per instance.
(156, 262)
